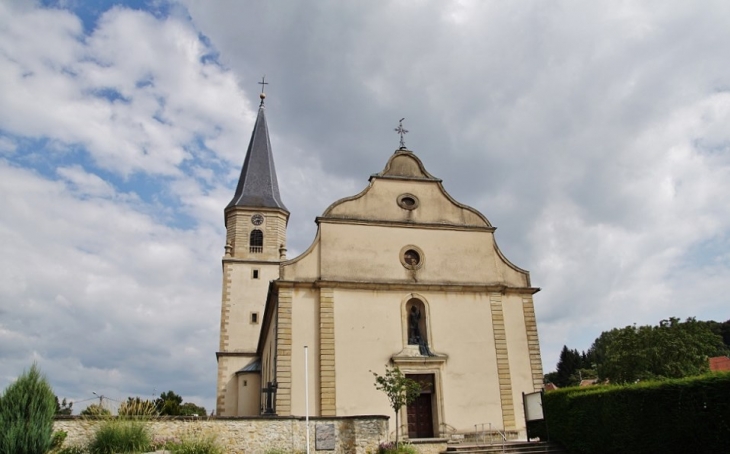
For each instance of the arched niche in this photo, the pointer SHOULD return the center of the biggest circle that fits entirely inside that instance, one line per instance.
(416, 322)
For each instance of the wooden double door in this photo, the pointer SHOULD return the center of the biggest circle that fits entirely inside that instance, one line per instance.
(420, 411)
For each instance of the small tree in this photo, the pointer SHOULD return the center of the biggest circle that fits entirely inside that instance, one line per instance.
(26, 415)
(400, 390)
(64, 407)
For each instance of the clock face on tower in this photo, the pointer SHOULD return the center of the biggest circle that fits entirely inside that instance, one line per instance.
(257, 219)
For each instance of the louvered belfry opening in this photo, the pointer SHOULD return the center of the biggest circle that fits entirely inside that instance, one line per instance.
(256, 242)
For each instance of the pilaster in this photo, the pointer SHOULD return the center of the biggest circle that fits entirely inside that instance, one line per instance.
(223, 363)
(225, 307)
(328, 398)
(533, 343)
(503, 372)
(283, 352)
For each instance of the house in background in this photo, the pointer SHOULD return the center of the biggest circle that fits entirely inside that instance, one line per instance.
(719, 364)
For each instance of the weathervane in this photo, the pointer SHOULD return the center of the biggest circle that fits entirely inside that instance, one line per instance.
(402, 132)
(262, 83)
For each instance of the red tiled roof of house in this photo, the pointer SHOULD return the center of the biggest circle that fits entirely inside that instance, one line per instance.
(719, 363)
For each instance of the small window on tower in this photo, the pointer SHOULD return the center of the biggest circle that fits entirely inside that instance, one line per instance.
(255, 274)
(254, 318)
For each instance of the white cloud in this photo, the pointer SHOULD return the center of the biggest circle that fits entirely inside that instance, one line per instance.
(85, 183)
(136, 93)
(93, 287)
(91, 275)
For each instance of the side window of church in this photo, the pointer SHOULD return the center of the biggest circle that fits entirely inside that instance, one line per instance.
(254, 274)
(256, 241)
(254, 318)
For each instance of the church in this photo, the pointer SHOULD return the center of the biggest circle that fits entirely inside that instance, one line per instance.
(400, 274)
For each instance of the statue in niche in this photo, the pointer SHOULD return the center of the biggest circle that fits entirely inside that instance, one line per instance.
(414, 332)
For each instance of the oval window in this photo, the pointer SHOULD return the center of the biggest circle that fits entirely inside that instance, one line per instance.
(408, 201)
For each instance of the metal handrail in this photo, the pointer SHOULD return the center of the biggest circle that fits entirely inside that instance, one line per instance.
(504, 439)
(447, 429)
(503, 435)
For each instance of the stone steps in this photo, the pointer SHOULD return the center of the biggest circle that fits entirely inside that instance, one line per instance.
(511, 447)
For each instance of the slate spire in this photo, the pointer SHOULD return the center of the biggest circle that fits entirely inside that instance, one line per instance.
(257, 185)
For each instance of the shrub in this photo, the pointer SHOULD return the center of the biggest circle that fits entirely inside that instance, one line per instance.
(26, 415)
(194, 445)
(95, 410)
(120, 436)
(58, 438)
(671, 416)
(136, 407)
(396, 448)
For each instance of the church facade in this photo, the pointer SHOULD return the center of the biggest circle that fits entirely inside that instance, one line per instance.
(399, 274)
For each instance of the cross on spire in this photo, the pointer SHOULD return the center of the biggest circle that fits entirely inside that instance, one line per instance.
(262, 83)
(402, 132)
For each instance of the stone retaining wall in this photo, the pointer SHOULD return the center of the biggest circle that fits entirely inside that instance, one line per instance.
(430, 446)
(330, 435)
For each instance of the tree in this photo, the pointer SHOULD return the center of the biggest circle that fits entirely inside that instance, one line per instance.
(64, 407)
(568, 365)
(26, 415)
(673, 349)
(171, 404)
(168, 404)
(550, 377)
(400, 390)
(721, 329)
(190, 409)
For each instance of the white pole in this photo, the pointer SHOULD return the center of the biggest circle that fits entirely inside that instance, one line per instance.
(306, 392)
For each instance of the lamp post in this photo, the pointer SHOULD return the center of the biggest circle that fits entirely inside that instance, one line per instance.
(306, 392)
(101, 399)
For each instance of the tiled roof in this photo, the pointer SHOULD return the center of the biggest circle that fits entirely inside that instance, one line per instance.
(719, 363)
(253, 366)
(257, 185)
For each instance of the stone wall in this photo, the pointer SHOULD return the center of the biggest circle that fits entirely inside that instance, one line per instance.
(255, 435)
(430, 446)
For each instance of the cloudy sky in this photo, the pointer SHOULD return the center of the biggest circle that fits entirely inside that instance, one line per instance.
(594, 135)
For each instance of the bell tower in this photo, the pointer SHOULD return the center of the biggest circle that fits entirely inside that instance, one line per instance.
(256, 222)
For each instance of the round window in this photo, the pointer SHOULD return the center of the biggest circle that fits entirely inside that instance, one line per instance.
(411, 257)
(408, 201)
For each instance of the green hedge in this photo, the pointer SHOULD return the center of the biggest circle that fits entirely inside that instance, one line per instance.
(672, 416)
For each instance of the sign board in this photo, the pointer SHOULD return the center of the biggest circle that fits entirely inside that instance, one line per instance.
(533, 406)
(324, 438)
